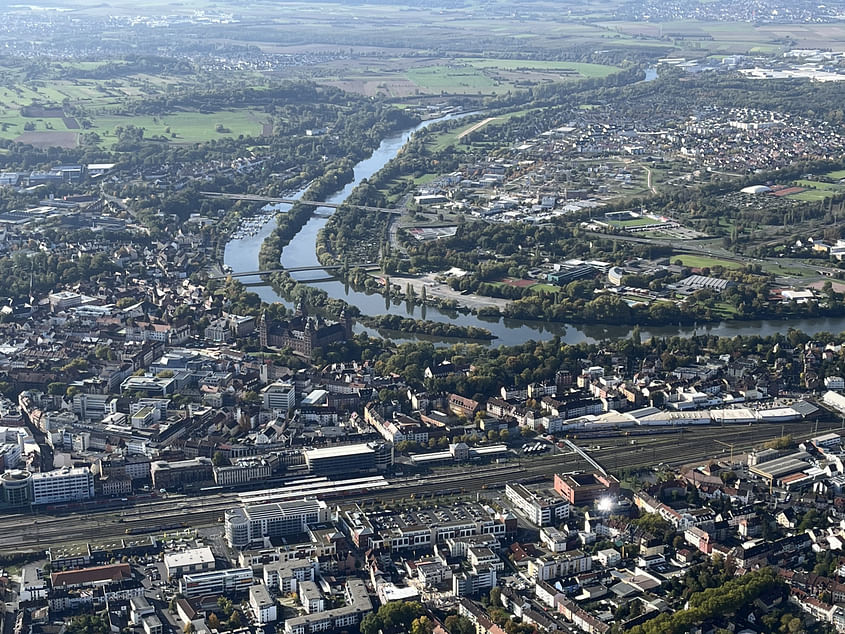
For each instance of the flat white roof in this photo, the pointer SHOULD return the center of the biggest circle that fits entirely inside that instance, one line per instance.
(342, 450)
(193, 557)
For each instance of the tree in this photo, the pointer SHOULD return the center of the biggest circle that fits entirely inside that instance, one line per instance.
(219, 459)
(189, 628)
(457, 624)
(496, 597)
(225, 605)
(56, 389)
(422, 625)
(235, 619)
(213, 621)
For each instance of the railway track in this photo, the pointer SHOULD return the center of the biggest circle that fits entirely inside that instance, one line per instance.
(25, 532)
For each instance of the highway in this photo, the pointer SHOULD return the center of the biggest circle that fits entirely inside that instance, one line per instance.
(33, 531)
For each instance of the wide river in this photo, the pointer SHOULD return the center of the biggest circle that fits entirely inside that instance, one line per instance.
(242, 255)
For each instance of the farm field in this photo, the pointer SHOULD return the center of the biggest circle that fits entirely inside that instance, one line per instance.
(726, 38)
(401, 77)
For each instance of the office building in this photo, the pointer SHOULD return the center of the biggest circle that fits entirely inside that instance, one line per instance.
(347, 459)
(189, 561)
(279, 396)
(251, 524)
(538, 508)
(17, 487)
(227, 582)
(62, 485)
(584, 488)
(178, 474)
(243, 470)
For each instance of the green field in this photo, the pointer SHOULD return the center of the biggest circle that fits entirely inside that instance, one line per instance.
(498, 75)
(702, 261)
(582, 69)
(636, 222)
(820, 185)
(836, 175)
(445, 139)
(545, 288)
(186, 127)
(451, 79)
(812, 195)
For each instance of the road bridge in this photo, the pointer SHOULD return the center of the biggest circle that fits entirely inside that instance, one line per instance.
(294, 269)
(292, 201)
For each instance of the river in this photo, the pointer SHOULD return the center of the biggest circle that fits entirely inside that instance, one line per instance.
(242, 255)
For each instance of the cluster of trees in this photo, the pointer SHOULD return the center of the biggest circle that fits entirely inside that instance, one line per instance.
(539, 361)
(397, 616)
(46, 271)
(433, 328)
(714, 601)
(89, 624)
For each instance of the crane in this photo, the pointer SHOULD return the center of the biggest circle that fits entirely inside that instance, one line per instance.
(731, 445)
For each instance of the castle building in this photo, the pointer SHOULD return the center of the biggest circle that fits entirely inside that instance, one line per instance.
(303, 333)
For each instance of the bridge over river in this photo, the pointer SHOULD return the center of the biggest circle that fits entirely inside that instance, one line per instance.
(290, 201)
(218, 274)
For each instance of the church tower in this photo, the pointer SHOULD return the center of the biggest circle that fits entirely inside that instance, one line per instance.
(262, 329)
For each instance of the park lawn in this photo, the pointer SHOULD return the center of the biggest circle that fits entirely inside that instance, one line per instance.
(836, 174)
(544, 288)
(424, 179)
(725, 309)
(188, 127)
(702, 261)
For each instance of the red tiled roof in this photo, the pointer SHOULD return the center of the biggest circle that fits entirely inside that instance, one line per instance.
(97, 574)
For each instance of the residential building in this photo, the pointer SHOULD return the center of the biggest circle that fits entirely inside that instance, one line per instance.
(262, 604)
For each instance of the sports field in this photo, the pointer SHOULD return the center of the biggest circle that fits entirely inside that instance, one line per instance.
(702, 261)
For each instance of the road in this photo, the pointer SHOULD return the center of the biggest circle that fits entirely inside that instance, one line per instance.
(477, 126)
(28, 532)
(648, 181)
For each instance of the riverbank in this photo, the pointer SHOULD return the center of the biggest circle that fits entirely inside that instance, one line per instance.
(301, 251)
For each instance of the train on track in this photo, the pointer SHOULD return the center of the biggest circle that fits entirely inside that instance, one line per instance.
(157, 528)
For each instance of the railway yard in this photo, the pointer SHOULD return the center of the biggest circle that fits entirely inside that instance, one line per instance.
(34, 531)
